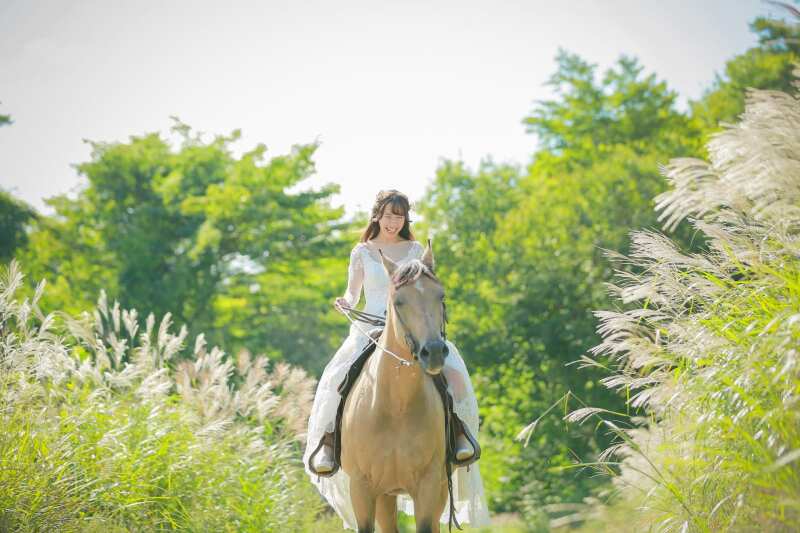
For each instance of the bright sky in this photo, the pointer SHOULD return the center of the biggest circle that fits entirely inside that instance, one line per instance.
(389, 88)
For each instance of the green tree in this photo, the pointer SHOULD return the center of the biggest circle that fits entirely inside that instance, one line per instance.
(214, 239)
(5, 120)
(15, 218)
(522, 258)
(592, 182)
(766, 66)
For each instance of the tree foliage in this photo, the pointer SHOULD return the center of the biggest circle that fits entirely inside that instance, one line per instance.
(15, 219)
(5, 120)
(766, 66)
(202, 234)
(523, 252)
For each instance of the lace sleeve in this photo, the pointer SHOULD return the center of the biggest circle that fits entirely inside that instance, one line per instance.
(417, 250)
(355, 277)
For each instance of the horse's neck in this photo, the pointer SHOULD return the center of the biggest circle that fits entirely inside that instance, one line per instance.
(397, 386)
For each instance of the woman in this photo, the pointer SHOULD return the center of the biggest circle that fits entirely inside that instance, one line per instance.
(389, 231)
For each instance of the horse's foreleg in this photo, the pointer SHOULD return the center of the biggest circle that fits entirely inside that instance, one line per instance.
(386, 513)
(429, 502)
(363, 500)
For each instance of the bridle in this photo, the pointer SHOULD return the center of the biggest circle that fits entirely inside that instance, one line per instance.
(380, 321)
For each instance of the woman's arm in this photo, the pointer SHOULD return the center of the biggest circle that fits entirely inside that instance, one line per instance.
(355, 278)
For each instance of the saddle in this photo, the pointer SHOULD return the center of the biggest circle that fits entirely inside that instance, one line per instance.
(452, 423)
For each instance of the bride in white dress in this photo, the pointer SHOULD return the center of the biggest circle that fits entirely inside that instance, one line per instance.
(389, 231)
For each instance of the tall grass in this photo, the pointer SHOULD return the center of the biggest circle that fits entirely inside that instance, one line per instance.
(104, 425)
(705, 346)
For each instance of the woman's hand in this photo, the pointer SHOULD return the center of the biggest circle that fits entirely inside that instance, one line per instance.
(340, 304)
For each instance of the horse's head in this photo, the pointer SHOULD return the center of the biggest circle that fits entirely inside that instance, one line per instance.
(416, 298)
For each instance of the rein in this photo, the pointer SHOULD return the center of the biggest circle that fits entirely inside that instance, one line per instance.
(379, 321)
(374, 320)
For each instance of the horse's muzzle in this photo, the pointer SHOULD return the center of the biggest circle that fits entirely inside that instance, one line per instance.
(432, 356)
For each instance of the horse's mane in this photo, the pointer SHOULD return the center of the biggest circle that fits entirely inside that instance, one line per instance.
(410, 271)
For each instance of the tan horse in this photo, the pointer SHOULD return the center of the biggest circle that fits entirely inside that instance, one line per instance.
(393, 438)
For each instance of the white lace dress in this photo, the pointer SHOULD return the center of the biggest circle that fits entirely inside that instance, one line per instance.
(366, 270)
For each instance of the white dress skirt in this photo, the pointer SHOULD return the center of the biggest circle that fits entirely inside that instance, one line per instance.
(366, 270)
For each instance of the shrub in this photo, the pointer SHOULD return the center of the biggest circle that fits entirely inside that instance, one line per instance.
(107, 424)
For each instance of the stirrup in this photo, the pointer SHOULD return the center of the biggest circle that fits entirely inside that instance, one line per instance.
(326, 462)
(471, 439)
(326, 439)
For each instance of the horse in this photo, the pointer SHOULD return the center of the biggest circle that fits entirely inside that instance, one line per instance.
(393, 423)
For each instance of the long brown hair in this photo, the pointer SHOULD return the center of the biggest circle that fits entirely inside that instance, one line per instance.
(399, 204)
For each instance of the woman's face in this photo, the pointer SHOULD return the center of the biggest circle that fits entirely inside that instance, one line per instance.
(390, 222)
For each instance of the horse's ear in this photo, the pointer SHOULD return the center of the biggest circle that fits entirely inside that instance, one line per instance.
(388, 264)
(427, 256)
